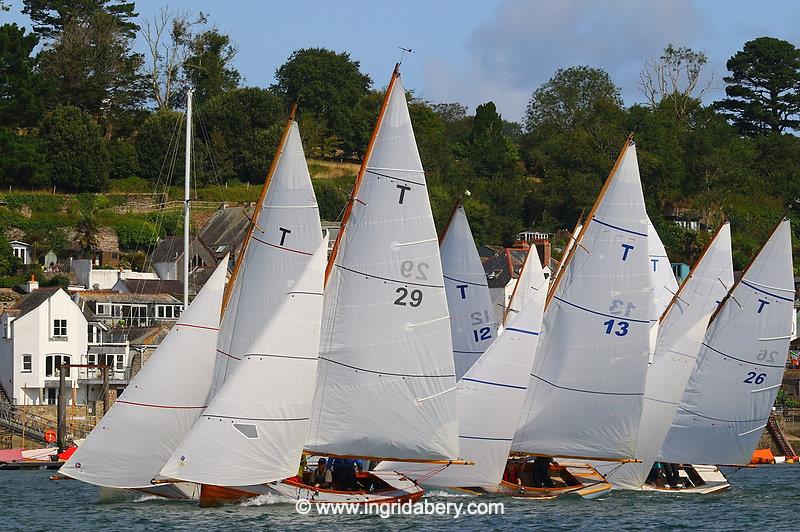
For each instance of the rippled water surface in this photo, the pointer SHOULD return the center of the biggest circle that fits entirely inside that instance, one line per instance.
(765, 498)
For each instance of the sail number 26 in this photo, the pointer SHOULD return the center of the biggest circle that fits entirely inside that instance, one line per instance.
(621, 327)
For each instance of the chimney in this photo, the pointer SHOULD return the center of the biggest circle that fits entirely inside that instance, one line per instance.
(546, 261)
(31, 285)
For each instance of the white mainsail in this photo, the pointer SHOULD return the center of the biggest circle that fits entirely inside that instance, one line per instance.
(680, 335)
(472, 321)
(490, 399)
(588, 376)
(285, 234)
(386, 379)
(255, 428)
(138, 434)
(730, 394)
(527, 286)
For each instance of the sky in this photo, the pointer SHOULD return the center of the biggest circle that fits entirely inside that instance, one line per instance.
(472, 51)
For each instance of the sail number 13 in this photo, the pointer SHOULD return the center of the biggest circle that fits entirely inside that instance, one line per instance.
(621, 327)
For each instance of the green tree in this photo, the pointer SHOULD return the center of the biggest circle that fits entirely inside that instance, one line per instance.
(86, 232)
(76, 154)
(8, 262)
(50, 17)
(570, 97)
(22, 87)
(208, 66)
(329, 85)
(92, 66)
(21, 161)
(158, 145)
(763, 86)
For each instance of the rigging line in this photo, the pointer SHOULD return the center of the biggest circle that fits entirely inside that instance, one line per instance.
(484, 438)
(586, 391)
(390, 374)
(454, 388)
(396, 178)
(757, 289)
(723, 420)
(622, 318)
(387, 278)
(279, 356)
(465, 282)
(495, 384)
(415, 242)
(618, 228)
(742, 360)
(779, 289)
(280, 247)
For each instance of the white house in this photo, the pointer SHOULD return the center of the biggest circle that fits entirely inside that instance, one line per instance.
(21, 250)
(103, 279)
(40, 332)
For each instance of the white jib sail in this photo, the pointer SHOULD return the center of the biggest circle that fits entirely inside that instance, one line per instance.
(472, 320)
(255, 428)
(730, 394)
(664, 282)
(588, 376)
(490, 399)
(141, 430)
(527, 286)
(386, 379)
(680, 335)
(286, 234)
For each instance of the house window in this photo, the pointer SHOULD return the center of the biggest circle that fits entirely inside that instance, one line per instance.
(60, 328)
(103, 309)
(197, 262)
(27, 365)
(52, 364)
(167, 311)
(52, 396)
(91, 359)
(120, 363)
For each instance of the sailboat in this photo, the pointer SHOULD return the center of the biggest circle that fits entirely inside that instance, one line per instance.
(490, 394)
(385, 378)
(729, 396)
(140, 431)
(588, 378)
(527, 287)
(681, 329)
(472, 321)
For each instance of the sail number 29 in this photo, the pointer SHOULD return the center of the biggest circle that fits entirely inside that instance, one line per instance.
(415, 297)
(621, 327)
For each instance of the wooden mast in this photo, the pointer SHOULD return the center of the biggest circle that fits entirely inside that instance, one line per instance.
(259, 205)
(744, 272)
(349, 208)
(589, 217)
(676, 295)
(572, 237)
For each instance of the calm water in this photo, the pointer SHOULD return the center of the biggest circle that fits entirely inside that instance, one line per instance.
(766, 498)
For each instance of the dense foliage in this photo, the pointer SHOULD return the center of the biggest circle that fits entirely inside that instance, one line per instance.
(81, 111)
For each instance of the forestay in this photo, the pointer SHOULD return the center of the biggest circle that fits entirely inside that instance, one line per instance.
(286, 233)
(680, 335)
(589, 373)
(472, 322)
(138, 434)
(386, 379)
(490, 399)
(254, 430)
(730, 394)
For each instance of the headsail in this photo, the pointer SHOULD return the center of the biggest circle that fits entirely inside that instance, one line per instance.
(255, 428)
(285, 233)
(730, 394)
(386, 380)
(664, 283)
(589, 373)
(138, 434)
(490, 399)
(472, 320)
(527, 286)
(680, 335)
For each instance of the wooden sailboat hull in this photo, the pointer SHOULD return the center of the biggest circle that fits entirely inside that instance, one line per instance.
(398, 488)
(712, 481)
(588, 483)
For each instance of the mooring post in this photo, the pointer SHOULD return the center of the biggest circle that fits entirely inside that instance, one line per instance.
(62, 408)
(105, 389)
